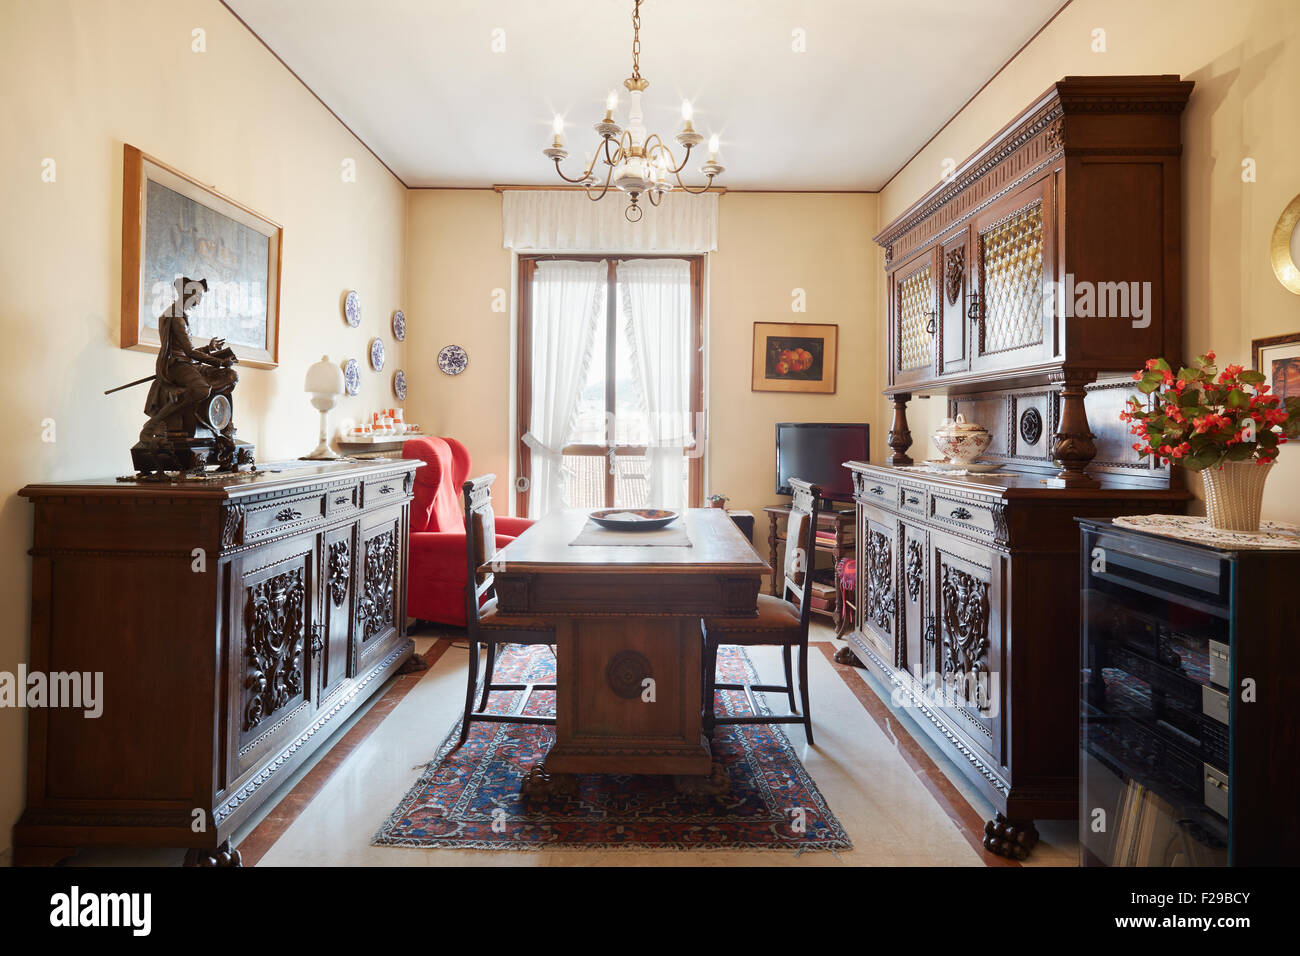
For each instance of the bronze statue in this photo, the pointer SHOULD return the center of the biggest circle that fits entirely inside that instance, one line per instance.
(190, 424)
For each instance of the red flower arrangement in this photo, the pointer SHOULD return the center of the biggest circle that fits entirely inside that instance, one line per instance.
(1202, 417)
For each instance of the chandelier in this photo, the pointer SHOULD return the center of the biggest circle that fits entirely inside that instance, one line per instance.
(636, 162)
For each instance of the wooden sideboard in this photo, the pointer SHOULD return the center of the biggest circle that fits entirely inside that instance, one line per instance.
(1023, 290)
(235, 622)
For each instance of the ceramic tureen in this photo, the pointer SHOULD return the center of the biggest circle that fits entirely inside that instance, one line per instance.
(960, 441)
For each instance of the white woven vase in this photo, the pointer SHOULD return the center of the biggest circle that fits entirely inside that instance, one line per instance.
(1234, 493)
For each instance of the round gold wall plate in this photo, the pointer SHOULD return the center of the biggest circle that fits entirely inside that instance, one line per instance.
(1285, 266)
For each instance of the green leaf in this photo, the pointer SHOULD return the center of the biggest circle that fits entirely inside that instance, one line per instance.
(1188, 374)
(1200, 460)
(1162, 365)
(1190, 397)
(1237, 399)
(1240, 452)
(1251, 377)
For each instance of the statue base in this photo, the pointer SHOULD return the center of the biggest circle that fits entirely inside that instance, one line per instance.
(152, 456)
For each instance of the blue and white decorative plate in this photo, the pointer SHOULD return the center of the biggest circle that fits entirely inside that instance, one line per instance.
(351, 376)
(352, 308)
(377, 354)
(399, 326)
(453, 360)
(399, 385)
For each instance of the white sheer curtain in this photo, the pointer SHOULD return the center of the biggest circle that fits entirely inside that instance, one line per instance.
(568, 299)
(561, 220)
(656, 301)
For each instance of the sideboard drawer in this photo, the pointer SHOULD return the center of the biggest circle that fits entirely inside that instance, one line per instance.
(342, 500)
(282, 515)
(378, 492)
(963, 513)
(872, 489)
(911, 499)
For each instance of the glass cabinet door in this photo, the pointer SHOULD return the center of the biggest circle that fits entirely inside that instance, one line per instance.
(1155, 740)
(915, 310)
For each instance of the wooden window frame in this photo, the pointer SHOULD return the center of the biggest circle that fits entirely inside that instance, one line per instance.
(523, 460)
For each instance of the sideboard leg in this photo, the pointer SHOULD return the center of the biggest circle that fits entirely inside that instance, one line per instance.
(1012, 839)
(1073, 445)
(777, 574)
(223, 856)
(900, 436)
(845, 655)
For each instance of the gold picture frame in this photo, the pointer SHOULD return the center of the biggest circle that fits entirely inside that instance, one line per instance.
(173, 225)
(795, 357)
(1285, 266)
(1278, 357)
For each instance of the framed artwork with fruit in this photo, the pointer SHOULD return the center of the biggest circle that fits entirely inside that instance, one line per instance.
(795, 357)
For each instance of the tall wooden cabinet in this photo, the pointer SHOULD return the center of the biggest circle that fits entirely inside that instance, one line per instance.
(1022, 292)
(233, 623)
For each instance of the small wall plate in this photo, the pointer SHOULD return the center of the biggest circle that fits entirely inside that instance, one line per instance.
(399, 326)
(399, 385)
(453, 359)
(377, 354)
(351, 376)
(352, 308)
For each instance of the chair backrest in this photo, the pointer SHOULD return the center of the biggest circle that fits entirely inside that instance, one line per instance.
(801, 545)
(436, 505)
(480, 543)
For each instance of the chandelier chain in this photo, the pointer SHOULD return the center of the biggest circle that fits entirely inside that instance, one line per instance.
(636, 41)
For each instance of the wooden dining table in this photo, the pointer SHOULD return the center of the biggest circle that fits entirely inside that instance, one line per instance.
(627, 637)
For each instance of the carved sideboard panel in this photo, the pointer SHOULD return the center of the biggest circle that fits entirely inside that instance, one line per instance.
(276, 616)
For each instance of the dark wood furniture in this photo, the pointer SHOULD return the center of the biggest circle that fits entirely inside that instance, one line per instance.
(779, 623)
(623, 614)
(484, 625)
(1190, 739)
(1027, 266)
(968, 612)
(835, 529)
(744, 521)
(1023, 289)
(236, 622)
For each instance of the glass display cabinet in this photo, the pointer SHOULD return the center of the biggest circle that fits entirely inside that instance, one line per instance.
(1189, 736)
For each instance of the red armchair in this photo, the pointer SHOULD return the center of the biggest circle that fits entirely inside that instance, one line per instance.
(437, 573)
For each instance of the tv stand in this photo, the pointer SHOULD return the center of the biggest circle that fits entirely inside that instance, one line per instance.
(834, 537)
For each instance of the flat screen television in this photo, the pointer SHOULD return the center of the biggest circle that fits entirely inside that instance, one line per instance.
(816, 452)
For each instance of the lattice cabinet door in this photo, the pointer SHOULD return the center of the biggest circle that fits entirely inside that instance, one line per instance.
(914, 308)
(1015, 309)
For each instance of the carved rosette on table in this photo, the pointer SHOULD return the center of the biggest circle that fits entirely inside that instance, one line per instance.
(880, 593)
(965, 625)
(340, 569)
(626, 672)
(375, 606)
(274, 622)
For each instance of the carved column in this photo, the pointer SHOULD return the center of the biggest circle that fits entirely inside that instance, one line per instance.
(1073, 445)
(900, 436)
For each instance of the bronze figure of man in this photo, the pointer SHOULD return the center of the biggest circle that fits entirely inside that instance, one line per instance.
(184, 375)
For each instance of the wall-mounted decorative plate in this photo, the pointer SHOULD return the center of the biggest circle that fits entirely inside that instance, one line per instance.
(1284, 249)
(351, 376)
(377, 354)
(399, 326)
(399, 385)
(453, 360)
(352, 308)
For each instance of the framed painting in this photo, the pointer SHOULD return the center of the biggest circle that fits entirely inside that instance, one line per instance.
(1279, 359)
(173, 226)
(795, 357)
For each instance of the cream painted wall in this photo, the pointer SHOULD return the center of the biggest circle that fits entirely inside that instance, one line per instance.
(80, 78)
(1245, 59)
(768, 245)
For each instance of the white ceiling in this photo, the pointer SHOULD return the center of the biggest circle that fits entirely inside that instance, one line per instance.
(418, 80)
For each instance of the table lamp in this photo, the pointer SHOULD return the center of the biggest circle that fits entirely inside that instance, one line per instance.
(325, 385)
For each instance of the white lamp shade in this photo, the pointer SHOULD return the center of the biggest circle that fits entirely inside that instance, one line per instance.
(324, 378)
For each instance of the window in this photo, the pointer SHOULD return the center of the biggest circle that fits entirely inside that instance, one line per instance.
(610, 382)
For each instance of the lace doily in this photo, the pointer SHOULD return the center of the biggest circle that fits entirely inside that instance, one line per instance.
(1271, 534)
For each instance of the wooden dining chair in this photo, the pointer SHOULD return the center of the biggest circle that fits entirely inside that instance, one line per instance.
(483, 625)
(780, 622)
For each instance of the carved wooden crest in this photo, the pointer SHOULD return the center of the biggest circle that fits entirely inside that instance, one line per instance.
(965, 623)
(953, 271)
(274, 619)
(340, 568)
(880, 591)
(915, 569)
(375, 605)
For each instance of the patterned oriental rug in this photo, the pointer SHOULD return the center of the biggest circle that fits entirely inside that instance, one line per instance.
(469, 798)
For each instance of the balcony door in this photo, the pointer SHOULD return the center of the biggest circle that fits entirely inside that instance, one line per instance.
(610, 383)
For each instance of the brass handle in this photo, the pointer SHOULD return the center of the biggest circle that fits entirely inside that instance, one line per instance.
(932, 326)
(913, 500)
(287, 514)
(317, 641)
(961, 514)
(931, 631)
(341, 500)
(386, 490)
(877, 490)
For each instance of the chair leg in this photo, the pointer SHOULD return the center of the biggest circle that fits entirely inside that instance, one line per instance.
(709, 667)
(803, 690)
(471, 685)
(487, 672)
(789, 676)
